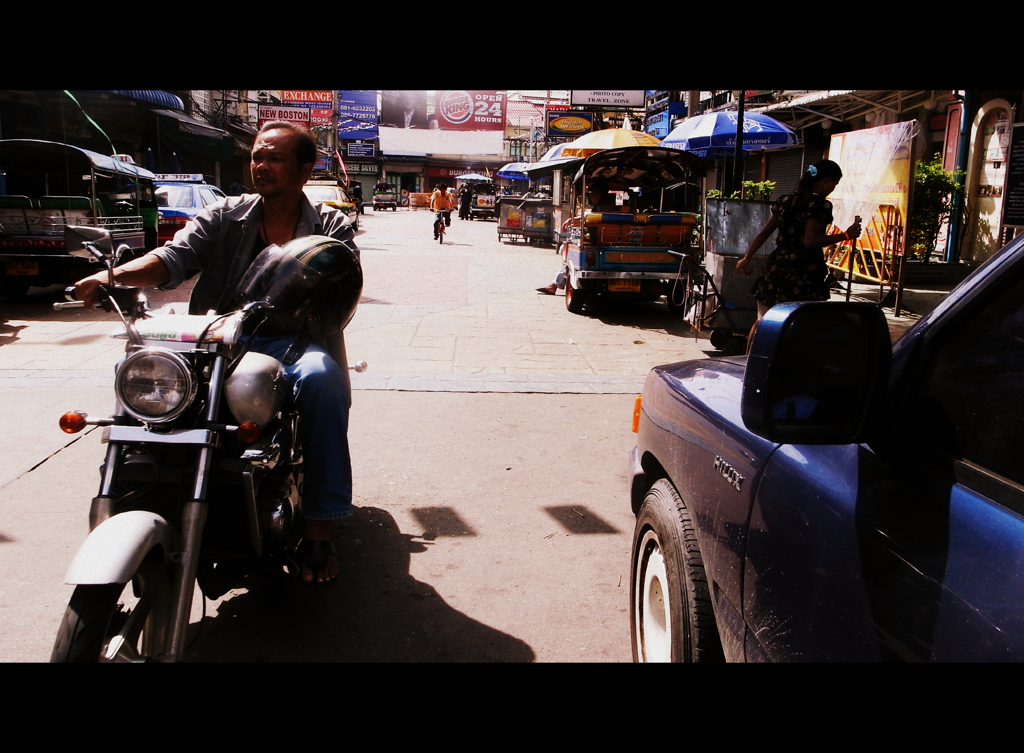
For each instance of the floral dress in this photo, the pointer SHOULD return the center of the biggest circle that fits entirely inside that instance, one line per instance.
(794, 272)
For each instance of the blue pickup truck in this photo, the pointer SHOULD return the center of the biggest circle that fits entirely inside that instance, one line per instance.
(831, 497)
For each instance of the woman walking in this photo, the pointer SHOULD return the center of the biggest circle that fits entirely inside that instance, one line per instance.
(796, 269)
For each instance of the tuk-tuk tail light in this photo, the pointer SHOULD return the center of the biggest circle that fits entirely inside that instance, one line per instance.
(591, 259)
(636, 413)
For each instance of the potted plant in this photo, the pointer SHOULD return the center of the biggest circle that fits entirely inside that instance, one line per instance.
(930, 206)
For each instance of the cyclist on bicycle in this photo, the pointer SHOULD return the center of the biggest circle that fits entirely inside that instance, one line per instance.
(441, 205)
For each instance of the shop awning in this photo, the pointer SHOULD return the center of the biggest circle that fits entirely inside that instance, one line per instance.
(203, 139)
(152, 96)
(846, 104)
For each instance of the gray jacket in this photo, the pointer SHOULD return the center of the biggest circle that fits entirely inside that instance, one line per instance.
(222, 241)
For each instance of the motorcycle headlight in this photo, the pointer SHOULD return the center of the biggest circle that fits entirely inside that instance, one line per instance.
(155, 385)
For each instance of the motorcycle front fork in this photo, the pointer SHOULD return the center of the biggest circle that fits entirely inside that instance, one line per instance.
(193, 520)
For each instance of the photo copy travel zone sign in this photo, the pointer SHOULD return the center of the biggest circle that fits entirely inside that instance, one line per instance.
(607, 98)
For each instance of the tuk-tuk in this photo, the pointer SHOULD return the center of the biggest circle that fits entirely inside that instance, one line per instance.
(641, 250)
(49, 186)
(385, 196)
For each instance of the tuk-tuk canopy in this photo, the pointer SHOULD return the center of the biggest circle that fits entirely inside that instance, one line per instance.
(642, 166)
(32, 154)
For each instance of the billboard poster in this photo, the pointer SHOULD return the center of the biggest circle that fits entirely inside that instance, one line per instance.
(876, 181)
(461, 110)
(567, 123)
(403, 109)
(876, 171)
(269, 113)
(607, 98)
(357, 115)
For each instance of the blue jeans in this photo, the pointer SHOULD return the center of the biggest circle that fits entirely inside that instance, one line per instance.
(444, 214)
(320, 396)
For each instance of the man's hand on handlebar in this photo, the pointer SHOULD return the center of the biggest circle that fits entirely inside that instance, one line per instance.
(145, 272)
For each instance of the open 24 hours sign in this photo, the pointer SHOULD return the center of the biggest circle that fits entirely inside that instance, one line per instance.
(460, 110)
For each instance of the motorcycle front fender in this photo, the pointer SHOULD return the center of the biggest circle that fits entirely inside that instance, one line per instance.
(114, 549)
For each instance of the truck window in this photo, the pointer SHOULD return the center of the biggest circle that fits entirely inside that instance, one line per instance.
(971, 401)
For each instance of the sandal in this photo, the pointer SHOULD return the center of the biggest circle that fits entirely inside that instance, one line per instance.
(313, 555)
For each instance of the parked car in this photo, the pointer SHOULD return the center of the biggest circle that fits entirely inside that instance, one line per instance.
(831, 497)
(332, 193)
(179, 198)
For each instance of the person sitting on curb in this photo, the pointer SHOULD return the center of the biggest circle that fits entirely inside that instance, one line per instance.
(601, 200)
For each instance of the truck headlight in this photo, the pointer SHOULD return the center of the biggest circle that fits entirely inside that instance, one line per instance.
(155, 385)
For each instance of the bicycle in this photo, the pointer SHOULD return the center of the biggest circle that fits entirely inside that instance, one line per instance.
(443, 217)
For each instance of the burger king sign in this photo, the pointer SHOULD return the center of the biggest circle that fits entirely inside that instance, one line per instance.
(460, 110)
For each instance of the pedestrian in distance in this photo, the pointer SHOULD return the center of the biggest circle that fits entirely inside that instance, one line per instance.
(601, 200)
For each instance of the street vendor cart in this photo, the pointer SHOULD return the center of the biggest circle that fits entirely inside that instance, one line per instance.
(526, 219)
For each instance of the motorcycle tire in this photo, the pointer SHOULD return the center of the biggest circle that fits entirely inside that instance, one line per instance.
(117, 622)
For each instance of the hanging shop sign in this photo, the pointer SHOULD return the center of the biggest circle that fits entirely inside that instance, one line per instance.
(318, 102)
(305, 96)
(297, 115)
(1013, 205)
(360, 149)
(569, 123)
(607, 98)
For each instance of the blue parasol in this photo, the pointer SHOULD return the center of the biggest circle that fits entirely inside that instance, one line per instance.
(714, 134)
(514, 171)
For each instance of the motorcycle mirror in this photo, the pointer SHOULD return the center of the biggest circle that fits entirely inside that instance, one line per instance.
(88, 242)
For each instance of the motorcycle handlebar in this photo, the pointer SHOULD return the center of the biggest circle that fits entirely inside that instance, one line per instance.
(71, 302)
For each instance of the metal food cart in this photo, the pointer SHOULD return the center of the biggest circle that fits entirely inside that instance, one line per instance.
(526, 219)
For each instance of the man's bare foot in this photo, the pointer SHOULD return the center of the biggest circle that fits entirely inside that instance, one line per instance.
(322, 566)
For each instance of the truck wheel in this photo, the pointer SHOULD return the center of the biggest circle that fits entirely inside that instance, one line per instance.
(670, 604)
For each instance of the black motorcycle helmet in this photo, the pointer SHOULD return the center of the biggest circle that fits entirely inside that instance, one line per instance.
(311, 277)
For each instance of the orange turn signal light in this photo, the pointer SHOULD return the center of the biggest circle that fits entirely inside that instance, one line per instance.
(73, 422)
(248, 432)
(636, 414)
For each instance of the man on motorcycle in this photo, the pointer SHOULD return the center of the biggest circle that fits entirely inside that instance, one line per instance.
(220, 244)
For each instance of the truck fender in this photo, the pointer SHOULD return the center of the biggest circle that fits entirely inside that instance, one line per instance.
(114, 549)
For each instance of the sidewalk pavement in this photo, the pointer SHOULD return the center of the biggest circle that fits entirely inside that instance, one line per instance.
(915, 303)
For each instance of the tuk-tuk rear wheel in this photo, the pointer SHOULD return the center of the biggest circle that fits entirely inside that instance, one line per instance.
(573, 299)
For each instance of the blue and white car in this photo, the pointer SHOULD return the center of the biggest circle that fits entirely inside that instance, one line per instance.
(831, 497)
(179, 198)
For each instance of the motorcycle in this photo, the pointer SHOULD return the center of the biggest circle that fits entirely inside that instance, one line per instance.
(202, 478)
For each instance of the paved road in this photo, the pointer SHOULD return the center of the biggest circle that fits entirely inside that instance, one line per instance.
(489, 443)
(490, 437)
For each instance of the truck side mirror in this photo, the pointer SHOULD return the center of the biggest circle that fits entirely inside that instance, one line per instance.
(817, 373)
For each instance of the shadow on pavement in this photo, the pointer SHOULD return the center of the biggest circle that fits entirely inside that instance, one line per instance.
(377, 612)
